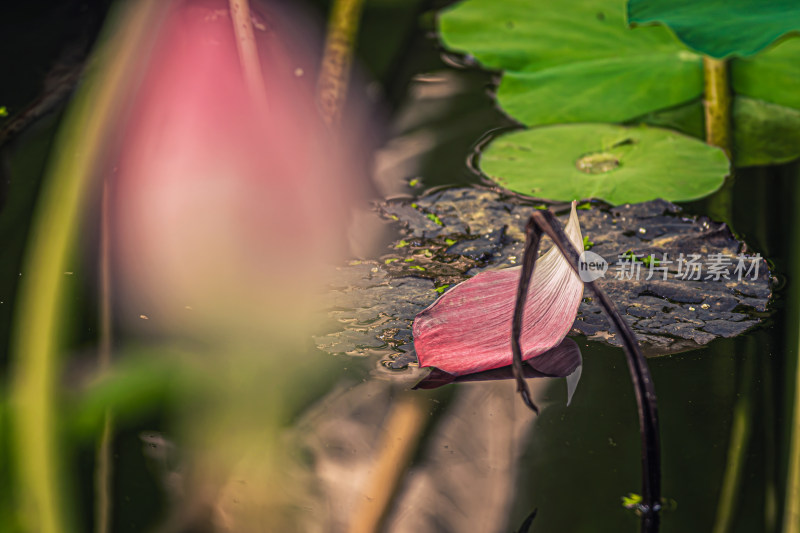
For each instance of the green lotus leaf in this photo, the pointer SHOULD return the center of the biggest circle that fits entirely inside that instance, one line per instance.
(611, 90)
(574, 60)
(615, 163)
(687, 118)
(721, 28)
(765, 133)
(773, 76)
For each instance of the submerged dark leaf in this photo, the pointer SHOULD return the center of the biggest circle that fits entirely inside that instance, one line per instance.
(372, 309)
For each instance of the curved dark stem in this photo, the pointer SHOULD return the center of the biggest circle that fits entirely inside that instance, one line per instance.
(546, 222)
(526, 525)
(533, 234)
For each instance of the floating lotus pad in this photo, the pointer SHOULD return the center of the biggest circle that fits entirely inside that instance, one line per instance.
(372, 306)
(574, 60)
(578, 61)
(721, 28)
(613, 163)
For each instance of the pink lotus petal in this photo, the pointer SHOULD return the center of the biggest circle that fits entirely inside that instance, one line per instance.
(468, 329)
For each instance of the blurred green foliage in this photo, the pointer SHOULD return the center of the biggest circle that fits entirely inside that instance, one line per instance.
(721, 28)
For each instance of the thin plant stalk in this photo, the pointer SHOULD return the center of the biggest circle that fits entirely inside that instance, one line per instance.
(399, 439)
(407, 417)
(104, 468)
(791, 515)
(248, 52)
(337, 59)
(547, 223)
(771, 490)
(40, 320)
(791, 505)
(717, 104)
(103, 475)
(741, 430)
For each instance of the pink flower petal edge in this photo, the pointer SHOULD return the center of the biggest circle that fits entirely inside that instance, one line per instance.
(468, 329)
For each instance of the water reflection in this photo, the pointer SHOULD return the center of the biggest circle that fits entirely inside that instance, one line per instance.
(465, 443)
(562, 361)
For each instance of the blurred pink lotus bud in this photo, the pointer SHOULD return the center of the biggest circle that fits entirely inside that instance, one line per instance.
(468, 329)
(227, 201)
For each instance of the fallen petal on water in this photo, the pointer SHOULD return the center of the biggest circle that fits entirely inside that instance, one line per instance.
(468, 329)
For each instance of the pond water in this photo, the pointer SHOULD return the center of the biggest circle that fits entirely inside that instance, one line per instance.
(724, 408)
(478, 460)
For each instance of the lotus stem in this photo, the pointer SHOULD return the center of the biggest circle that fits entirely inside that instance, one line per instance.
(533, 235)
(717, 104)
(791, 512)
(717, 107)
(248, 52)
(51, 97)
(103, 475)
(547, 223)
(399, 439)
(791, 516)
(791, 494)
(39, 321)
(741, 429)
(104, 466)
(337, 59)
